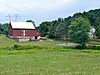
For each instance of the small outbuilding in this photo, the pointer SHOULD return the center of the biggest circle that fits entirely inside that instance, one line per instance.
(23, 31)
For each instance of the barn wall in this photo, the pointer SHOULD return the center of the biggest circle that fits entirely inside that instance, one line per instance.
(16, 33)
(28, 33)
(10, 31)
(32, 33)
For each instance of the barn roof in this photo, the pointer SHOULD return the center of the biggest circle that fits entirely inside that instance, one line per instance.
(22, 25)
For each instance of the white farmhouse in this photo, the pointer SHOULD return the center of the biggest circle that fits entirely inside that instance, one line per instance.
(92, 32)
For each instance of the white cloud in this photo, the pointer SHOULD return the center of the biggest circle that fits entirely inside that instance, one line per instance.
(52, 4)
(40, 10)
(12, 5)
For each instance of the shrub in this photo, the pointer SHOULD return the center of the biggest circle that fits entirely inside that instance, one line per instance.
(82, 46)
(78, 47)
(24, 47)
(93, 47)
(17, 47)
(97, 48)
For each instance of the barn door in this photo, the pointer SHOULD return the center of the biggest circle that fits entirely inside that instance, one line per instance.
(24, 32)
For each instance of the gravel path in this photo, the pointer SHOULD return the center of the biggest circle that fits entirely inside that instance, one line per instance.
(68, 44)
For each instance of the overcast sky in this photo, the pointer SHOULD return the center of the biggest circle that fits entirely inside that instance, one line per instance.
(44, 10)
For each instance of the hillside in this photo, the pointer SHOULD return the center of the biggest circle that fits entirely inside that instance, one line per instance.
(5, 41)
(59, 28)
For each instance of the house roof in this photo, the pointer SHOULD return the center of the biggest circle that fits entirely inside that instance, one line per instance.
(22, 25)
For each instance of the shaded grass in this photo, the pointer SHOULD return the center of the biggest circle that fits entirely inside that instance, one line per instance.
(94, 42)
(5, 41)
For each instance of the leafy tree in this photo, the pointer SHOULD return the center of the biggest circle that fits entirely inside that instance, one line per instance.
(94, 17)
(98, 31)
(4, 28)
(60, 31)
(44, 28)
(1, 29)
(55, 29)
(97, 27)
(66, 24)
(79, 28)
(52, 29)
(60, 20)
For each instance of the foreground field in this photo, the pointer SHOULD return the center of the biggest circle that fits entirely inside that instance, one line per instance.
(52, 60)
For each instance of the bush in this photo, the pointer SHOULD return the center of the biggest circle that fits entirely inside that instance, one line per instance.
(78, 47)
(97, 48)
(82, 46)
(17, 47)
(25, 47)
(93, 47)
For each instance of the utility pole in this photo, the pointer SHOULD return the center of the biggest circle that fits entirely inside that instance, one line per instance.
(9, 18)
(16, 16)
(13, 18)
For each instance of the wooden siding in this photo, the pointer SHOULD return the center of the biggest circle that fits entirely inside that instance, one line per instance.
(14, 33)
(10, 31)
(28, 33)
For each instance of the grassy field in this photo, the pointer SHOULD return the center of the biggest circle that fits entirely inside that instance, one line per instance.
(49, 60)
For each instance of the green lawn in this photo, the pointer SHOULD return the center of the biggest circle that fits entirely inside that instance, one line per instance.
(54, 60)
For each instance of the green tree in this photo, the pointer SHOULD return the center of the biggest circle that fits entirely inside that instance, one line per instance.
(66, 24)
(94, 17)
(97, 27)
(4, 28)
(60, 31)
(98, 31)
(52, 28)
(44, 28)
(1, 29)
(78, 30)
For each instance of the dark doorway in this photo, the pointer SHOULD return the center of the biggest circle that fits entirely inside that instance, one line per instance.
(35, 37)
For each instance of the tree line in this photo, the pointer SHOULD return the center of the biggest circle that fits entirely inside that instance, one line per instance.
(4, 28)
(60, 28)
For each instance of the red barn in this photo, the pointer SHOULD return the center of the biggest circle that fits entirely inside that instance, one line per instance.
(23, 30)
